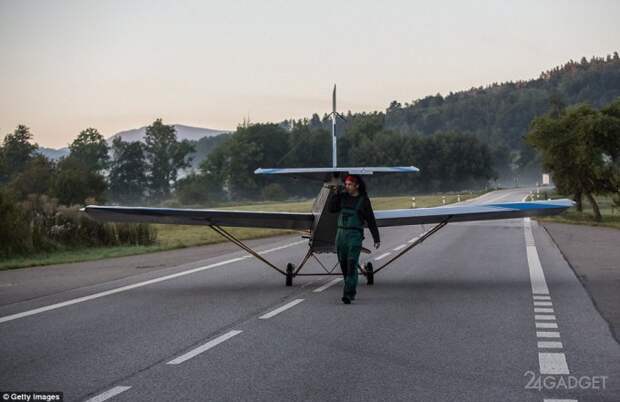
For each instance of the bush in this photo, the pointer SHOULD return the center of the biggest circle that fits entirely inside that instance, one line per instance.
(14, 228)
(274, 192)
(40, 225)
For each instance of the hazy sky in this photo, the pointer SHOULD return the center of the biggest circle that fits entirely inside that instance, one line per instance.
(116, 65)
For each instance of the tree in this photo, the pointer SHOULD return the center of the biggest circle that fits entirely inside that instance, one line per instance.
(16, 151)
(128, 172)
(35, 178)
(75, 182)
(165, 156)
(199, 189)
(91, 149)
(573, 146)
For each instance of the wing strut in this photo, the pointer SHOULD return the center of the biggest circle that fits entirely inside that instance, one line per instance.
(426, 235)
(219, 230)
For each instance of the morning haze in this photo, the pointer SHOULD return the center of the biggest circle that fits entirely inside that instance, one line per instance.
(118, 65)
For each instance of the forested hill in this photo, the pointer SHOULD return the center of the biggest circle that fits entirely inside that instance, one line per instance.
(500, 114)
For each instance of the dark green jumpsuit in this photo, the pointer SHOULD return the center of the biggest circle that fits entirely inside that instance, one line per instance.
(349, 239)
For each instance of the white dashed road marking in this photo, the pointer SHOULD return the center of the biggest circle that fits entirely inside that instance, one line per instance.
(280, 309)
(109, 394)
(382, 256)
(552, 363)
(203, 348)
(549, 363)
(327, 285)
(549, 345)
(546, 325)
(543, 317)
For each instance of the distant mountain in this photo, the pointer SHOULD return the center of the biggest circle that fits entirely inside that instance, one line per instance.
(137, 134)
(183, 133)
(53, 154)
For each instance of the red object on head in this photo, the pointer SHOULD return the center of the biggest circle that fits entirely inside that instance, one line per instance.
(352, 179)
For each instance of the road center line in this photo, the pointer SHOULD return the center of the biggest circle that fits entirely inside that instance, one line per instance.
(382, 256)
(203, 348)
(280, 309)
(109, 394)
(134, 286)
(327, 285)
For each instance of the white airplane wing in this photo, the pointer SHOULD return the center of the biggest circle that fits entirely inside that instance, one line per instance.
(304, 221)
(253, 219)
(504, 210)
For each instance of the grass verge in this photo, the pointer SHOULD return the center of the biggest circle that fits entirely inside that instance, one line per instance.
(609, 212)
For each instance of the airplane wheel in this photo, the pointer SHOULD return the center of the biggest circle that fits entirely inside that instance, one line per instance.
(289, 274)
(370, 274)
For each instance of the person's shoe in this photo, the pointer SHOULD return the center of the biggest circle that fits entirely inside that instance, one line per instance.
(346, 300)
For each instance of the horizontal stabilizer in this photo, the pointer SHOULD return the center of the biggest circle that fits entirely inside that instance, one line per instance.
(323, 173)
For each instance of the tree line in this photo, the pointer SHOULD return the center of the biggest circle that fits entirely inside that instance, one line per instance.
(39, 198)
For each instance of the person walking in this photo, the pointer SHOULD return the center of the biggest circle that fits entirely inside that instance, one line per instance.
(354, 209)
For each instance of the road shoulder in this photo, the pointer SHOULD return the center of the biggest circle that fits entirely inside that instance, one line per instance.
(594, 255)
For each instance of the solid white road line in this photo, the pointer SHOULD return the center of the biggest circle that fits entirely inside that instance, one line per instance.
(536, 297)
(537, 276)
(134, 286)
(327, 285)
(544, 317)
(552, 363)
(280, 309)
(547, 334)
(543, 303)
(546, 325)
(549, 345)
(200, 349)
(402, 246)
(382, 256)
(108, 394)
(543, 310)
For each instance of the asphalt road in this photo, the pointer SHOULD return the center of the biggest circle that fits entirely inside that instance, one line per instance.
(453, 320)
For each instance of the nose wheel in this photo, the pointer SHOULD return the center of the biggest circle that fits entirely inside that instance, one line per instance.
(370, 273)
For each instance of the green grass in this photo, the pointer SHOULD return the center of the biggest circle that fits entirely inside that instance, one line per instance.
(171, 237)
(610, 213)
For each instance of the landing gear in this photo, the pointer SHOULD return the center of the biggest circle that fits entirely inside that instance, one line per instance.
(290, 268)
(370, 274)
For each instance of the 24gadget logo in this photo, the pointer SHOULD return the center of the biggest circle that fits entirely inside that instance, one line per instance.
(564, 382)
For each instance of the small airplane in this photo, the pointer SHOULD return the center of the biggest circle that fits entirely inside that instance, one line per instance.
(320, 225)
